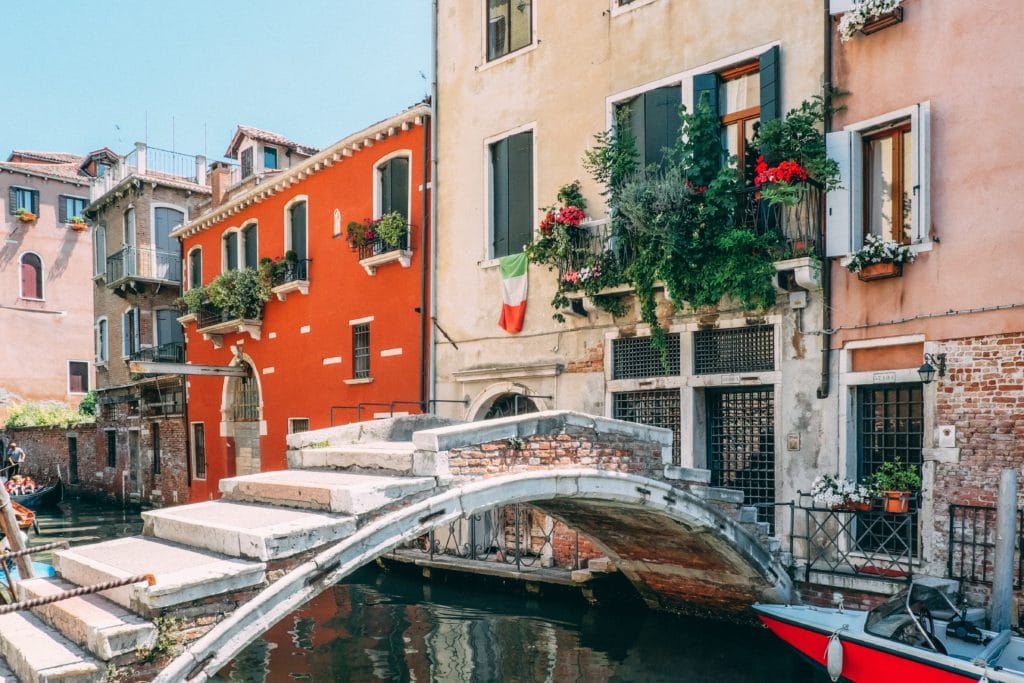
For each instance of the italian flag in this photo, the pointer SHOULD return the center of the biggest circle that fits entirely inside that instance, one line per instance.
(513, 292)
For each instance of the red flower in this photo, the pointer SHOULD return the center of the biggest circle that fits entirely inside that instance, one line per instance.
(785, 172)
(548, 223)
(570, 215)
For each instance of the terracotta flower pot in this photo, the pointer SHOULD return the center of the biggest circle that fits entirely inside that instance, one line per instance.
(897, 502)
(78, 227)
(26, 217)
(880, 271)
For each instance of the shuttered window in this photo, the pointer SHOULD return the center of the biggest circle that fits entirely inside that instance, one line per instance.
(393, 184)
(129, 227)
(195, 268)
(130, 342)
(654, 121)
(69, 207)
(249, 246)
(102, 341)
(269, 158)
(509, 26)
(199, 449)
(512, 209)
(297, 230)
(78, 377)
(246, 160)
(230, 251)
(99, 245)
(31, 276)
(22, 198)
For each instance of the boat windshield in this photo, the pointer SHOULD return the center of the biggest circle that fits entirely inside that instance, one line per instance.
(907, 617)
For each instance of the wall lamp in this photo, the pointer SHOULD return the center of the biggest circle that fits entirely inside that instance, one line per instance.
(933, 363)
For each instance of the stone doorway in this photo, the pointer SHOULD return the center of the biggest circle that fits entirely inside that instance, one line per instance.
(242, 412)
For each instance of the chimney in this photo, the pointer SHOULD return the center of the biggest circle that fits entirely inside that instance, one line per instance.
(220, 181)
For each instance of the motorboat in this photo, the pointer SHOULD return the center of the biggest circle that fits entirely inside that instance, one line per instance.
(916, 635)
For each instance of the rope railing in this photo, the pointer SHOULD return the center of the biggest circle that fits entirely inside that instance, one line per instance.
(76, 592)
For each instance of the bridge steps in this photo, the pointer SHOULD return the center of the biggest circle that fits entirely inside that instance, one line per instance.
(256, 532)
(183, 574)
(327, 490)
(93, 622)
(36, 653)
(386, 457)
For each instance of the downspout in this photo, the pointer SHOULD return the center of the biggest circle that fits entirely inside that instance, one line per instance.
(826, 267)
(432, 365)
(424, 259)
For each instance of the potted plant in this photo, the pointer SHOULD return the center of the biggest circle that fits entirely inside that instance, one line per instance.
(896, 483)
(868, 16)
(24, 215)
(77, 223)
(359, 234)
(830, 491)
(879, 259)
(392, 228)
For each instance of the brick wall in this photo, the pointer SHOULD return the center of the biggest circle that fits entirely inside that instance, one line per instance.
(46, 449)
(982, 395)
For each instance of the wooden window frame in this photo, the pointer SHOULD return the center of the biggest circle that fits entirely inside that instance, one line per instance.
(744, 115)
(896, 132)
(85, 377)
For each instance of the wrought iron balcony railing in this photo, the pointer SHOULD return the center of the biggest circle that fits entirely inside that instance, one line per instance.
(144, 263)
(285, 272)
(592, 241)
(377, 246)
(798, 226)
(172, 352)
(209, 315)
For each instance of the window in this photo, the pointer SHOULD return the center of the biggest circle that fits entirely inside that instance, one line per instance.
(269, 158)
(154, 435)
(511, 194)
(298, 424)
(246, 160)
(31, 276)
(245, 398)
(99, 245)
(249, 247)
(295, 230)
(195, 268)
(129, 227)
(101, 170)
(69, 207)
(111, 448)
(393, 186)
(884, 188)
(199, 449)
(78, 376)
(102, 341)
(655, 407)
(509, 26)
(130, 333)
(741, 444)
(734, 350)
(636, 357)
(23, 198)
(361, 351)
(230, 261)
(653, 119)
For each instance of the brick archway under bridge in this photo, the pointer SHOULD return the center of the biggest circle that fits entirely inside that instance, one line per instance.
(669, 532)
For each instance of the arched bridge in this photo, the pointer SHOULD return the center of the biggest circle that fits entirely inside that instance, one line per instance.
(354, 493)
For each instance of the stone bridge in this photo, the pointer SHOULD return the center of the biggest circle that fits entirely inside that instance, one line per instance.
(227, 570)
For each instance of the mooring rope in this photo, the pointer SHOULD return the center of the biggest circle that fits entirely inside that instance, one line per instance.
(75, 592)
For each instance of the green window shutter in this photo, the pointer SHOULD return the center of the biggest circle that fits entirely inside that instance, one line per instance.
(62, 209)
(249, 246)
(299, 230)
(385, 188)
(12, 200)
(636, 110)
(398, 172)
(35, 202)
(499, 197)
(661, 122)
(706, 86)
(520, 191)
(771, 98)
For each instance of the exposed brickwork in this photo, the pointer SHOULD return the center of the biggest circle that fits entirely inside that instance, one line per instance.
(592, 359)
(46, 448)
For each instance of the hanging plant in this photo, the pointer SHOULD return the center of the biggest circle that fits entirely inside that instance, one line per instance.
(862, 12)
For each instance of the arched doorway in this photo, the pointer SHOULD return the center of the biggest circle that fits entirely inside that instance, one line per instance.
(242, 412)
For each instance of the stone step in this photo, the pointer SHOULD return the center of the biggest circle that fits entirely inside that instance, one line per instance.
(182, 574)
(330, 491)
(37, 653)
(102, 627)
(378, 456)
(257, 532)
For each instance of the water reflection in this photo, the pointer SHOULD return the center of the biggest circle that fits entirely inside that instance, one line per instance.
(389, 628)
(81, 521)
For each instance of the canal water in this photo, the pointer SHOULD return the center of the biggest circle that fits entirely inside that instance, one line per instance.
(390, 626)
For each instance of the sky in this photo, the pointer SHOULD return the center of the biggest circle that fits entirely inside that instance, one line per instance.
(181, 74)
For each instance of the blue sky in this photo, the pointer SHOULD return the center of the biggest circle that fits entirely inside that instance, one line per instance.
(83, 74)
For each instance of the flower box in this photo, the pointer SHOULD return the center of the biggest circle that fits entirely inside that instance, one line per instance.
(78, 227)
(880, 271)
(886, 20)
(850, 506)
(26, 216)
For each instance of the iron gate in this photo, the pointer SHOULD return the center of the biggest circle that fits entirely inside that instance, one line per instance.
(741, 445)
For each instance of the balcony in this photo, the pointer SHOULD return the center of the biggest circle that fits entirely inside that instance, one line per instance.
(213, 323)
(151, 162)
(594, 243)
(290, 276)
(377, 252)
(798, 227)
(143, 264)
(173, 352)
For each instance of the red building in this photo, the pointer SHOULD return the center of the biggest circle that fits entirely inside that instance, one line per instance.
(346, 321)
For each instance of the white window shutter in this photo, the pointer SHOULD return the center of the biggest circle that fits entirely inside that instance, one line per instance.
(839, 202)
(920, 126)
(126, 325)
(840, 6)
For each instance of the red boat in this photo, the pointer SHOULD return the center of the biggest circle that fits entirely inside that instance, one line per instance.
(917, 635)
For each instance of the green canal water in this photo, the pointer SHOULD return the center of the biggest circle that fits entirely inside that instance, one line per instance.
(390, 626)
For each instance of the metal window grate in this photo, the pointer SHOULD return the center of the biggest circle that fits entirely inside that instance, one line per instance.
(635, 357)
(657, 407)
(361, 350)
(246, 404)
(735, 349)
(890, 427)
(741, 445)
(199, 449)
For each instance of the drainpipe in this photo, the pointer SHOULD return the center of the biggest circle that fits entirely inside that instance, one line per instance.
(826, 266)
(424, 317)
(432, 364)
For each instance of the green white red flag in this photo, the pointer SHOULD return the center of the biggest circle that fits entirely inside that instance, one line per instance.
(513, 292)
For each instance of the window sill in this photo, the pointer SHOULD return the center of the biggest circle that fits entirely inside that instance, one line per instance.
(915, 248)
(99, 278)
(489, 263)
(510, 56)
(618, 10)
(28, 298)
(371, 264)
(361, 380)
(282, 291)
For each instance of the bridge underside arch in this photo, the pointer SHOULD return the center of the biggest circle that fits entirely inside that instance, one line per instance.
(681, 552)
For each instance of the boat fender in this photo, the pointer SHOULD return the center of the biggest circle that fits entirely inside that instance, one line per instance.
(834, 657)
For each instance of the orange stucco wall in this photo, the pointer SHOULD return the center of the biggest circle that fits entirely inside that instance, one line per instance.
(976, 100)
(289, 361)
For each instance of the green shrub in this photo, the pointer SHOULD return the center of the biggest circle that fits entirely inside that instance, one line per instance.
(45, 414)
(240, 293)
(88, 404)
(391, 228)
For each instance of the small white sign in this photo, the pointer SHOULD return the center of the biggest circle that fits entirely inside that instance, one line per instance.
(947, 436)
(730, 379)
(884, 377)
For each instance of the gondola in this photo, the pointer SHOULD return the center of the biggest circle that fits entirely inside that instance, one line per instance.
(46, 496)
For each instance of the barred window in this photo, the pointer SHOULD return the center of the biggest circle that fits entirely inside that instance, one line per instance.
(657, 408)
(735, 349)
(361, 350)
(634, 357)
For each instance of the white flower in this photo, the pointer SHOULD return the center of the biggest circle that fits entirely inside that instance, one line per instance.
(862, 12)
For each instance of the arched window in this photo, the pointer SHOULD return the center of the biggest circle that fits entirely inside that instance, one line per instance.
(230, 251)
(99, 245)
(295, 229)
(250, 258)
(195, 267)
(393, 187)
(31, 276)
(102, 341)
(129, 227)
